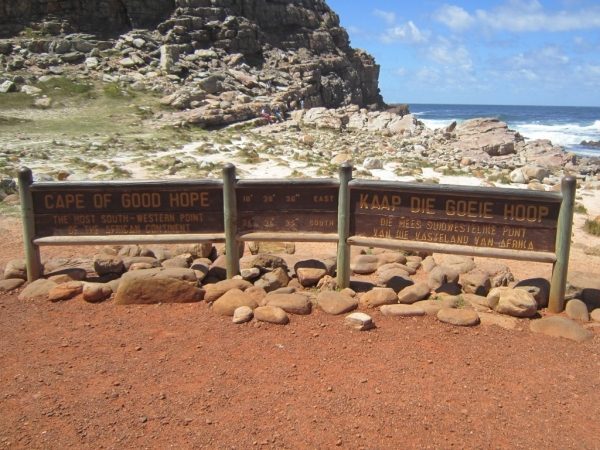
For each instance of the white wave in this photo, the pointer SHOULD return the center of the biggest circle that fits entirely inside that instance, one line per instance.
(566, 135)
(433, 124)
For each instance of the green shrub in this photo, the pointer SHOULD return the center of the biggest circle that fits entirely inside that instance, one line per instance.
(592, 227)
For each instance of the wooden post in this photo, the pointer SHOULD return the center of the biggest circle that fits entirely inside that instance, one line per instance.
(230, 214)
(32, 252)
(343, 258)
(556, 303)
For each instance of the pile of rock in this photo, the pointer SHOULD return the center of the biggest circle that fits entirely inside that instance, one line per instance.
(220, 62)
(271, 287)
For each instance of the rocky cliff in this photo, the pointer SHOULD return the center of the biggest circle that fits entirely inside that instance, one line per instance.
(290, 50)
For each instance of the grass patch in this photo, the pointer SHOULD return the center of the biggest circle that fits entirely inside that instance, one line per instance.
(64, 87)
(500, 178)
(12, 121)
(580, 209)
(592, 227)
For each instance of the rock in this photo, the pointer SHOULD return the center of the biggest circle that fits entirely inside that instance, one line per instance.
(11, 284)
(594, 315)
(30, 90)
(461, 264)
(402, 310)
(518, 176)
(200, 267)
(218, 289)
(586, 286)
(96, 292)
(7, 86)
(16, 268)
(218, 269)
(267, 262)
(378, 297)
(39, 288)
(257, 293)
(360, 321)
(372, 163)
(250, 274)
(310, 271)
(441, 275)
(232, 300)
(290, 303)
(366, 264)
(428, 264)
(327, 283)
(243, 314)
(158, 286)
(271, 314)
(459, 317)
(399, 282)
(576, 309)
(336, 303)
(512, 302)
(477, 283)
(105, 264)
(394, 266)
(274, 280)
(432, 307)
(414, 293)
(389, 256)
(449, 289)
(65, 291)
(508, 323)
(66, 275)
(383, 276)
(499, 274)
(257, 247)
(539, 288)
(560, 327)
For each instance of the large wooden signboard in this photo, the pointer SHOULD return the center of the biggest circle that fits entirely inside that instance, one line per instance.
(287, 206)
(492, 222)
(127, 208)
(467, 216)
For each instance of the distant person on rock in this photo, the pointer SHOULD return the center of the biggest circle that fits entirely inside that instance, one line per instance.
(277, 113)
(266, 114)
(268, 87)
(302, 103)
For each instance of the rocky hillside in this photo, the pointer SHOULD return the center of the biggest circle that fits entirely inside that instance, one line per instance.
(224, 59)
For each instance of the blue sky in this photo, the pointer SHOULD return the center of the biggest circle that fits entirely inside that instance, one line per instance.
(514, 52)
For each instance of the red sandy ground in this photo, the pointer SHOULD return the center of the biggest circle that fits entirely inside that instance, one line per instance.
(79, 375)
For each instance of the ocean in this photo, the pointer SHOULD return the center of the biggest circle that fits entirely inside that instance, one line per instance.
(566, 126)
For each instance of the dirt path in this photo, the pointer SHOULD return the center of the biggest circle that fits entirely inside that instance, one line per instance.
(85, 375)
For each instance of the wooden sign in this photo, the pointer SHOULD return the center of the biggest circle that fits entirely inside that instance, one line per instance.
(294, 206)
(475, 217)
(88, 209)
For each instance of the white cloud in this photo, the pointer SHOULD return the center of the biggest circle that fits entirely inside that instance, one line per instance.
(446, 53)
(388, 17)
(407, 33)
(519, 16)
(454, 16)
(400, 71)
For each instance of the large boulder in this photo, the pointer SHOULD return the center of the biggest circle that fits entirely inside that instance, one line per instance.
(158, 286)
(232, 300)
(290, 303)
